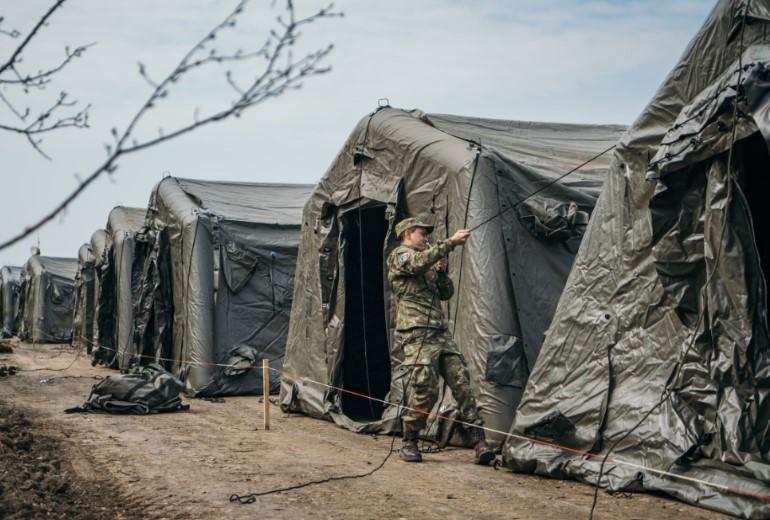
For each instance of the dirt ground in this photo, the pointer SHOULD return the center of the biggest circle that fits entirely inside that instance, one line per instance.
(186, 465)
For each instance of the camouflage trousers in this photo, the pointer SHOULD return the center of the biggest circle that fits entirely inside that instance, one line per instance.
(429, 353)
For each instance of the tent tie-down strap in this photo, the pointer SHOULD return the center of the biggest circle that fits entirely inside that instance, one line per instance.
(248, 499)
(542, 188)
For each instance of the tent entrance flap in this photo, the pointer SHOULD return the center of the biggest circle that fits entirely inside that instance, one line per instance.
(366, 352)
(755, 185)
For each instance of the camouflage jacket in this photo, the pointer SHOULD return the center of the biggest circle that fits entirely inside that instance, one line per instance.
(418, 289)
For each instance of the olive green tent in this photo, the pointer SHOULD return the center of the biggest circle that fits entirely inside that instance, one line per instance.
(116, 265)
(457, 172)
(10, 279)
(216, 286)
(103, 309)
(123, 224)
(47, 299)
(659, 346)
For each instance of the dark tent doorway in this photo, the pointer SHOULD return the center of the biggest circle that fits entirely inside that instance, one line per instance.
(366, 354)
(755, 185)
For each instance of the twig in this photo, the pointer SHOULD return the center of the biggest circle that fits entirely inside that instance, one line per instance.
(41, 124)
(12, 76)
(17, 53)
(13, 33)
(271, 82)
(43, 77)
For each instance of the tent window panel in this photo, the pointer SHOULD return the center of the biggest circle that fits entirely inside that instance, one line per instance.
(366, 353)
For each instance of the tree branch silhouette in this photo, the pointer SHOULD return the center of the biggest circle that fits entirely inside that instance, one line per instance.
(279, 72)
(12, 75)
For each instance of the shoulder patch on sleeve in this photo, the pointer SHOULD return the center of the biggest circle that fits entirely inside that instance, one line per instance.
(405, 257)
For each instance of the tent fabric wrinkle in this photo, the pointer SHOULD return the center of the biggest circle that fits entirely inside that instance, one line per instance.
(47, 299)
(116, 262)
(102, 350)
(123, 225)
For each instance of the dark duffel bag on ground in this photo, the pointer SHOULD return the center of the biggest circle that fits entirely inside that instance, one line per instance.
(142, 390)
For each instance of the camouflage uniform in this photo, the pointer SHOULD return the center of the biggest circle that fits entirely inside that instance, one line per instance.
(429, 349)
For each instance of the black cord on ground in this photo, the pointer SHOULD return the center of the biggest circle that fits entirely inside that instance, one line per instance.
(252, 497)
(74, 360)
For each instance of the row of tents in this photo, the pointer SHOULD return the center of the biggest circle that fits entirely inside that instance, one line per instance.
(614, 320)
(201, 282)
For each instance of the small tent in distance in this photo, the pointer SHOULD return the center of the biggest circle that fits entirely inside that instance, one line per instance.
(217, 281)
(48, 297)
(10, 280)
(659, 348)
(458, 172)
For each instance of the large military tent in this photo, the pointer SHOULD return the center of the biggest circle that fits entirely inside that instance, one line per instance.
(458, 172)
(659, 345)
(83, 313)
(217, 280)
(117, 267)
(47, 299)
(10, 278)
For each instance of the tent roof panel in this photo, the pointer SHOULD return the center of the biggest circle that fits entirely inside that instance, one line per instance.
(253, 202)
(10, 272)
(62, 267)
(122, 218)
(551, 149)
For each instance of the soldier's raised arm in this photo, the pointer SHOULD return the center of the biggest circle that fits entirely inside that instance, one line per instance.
(412, 262)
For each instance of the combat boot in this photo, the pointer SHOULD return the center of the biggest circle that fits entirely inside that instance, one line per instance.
(409, 450)
(483, 454)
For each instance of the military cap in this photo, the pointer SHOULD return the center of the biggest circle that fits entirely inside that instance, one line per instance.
(412, 222)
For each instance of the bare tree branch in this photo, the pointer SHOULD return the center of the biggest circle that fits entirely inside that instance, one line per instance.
(17, 53)
(13, 33)
(43, 122)
(12, 76)
(13, 108)
(42, 77)
(281, 72)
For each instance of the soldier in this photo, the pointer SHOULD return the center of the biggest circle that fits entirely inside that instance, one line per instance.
(418, 278)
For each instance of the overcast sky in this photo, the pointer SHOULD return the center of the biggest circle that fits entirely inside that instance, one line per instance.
(553, 60)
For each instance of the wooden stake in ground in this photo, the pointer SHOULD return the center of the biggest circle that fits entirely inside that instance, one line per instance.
(266, 393)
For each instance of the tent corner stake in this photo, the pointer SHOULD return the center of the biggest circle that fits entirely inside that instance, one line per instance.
(266, 393)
